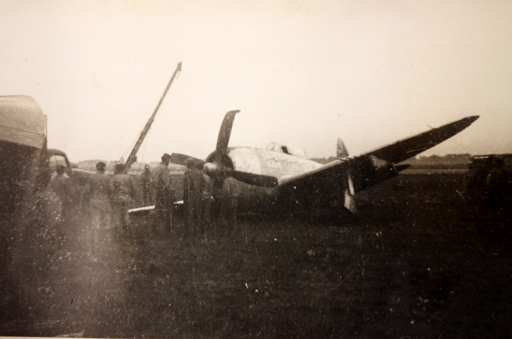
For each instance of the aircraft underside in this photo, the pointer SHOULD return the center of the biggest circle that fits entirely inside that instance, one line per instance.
(284, 203)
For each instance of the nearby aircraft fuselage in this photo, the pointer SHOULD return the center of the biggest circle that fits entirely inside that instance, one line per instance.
(276, 164)
(282, 166)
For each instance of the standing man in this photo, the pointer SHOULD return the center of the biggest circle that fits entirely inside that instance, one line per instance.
(61, 186)
(229, 205)
(207, 198)
(162, 188)
(494, 180)
(147, 186)
(98, 189)
(216, 202)
(122, 197)
(192, 196)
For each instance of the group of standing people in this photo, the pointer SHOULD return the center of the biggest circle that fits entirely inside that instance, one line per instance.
(110, 199)
(210, 200)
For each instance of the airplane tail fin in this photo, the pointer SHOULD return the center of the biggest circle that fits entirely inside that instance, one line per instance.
(341, 150)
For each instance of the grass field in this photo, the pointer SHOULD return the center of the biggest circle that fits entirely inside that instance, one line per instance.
(418, 261)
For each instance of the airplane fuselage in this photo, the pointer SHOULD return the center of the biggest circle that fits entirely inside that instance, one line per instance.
(271, 163)
(282, 166)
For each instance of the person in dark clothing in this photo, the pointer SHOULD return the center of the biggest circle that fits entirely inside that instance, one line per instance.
(99, 191)
(229, 205)
(123, 193)
(494, 181)
(162, 186)
(206, 199)
(62, 187)
(146, 180)
(192, 196)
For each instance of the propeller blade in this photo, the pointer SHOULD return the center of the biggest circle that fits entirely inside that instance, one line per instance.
(225, 133)
(180, 159)
(253, 179)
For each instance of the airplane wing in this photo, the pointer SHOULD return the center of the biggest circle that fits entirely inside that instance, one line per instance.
(409, 147)
(353, 174)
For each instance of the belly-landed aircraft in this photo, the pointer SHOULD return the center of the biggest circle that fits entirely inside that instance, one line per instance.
(283, 176)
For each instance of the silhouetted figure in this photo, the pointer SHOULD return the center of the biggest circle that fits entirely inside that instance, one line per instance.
(206, 199)
(193, 179)
(62, 187)
(494, 181)
(229, 205)
(163, 194)
(123, 193)
(146, 180)
(99, 191)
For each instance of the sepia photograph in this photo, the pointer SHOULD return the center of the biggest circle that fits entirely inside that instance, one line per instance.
(256, 169)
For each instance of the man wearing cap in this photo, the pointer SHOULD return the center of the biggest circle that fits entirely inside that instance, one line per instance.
(192, 184)
(99, 191)
(162, 188)
(123, 193)
(147, 186)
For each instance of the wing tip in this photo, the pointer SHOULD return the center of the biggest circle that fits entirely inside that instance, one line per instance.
(472, 118)
(466, 122)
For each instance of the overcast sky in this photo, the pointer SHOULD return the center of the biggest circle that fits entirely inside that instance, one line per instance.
(302, 72)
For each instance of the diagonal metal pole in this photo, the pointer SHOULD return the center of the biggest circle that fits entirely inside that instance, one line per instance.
(133, 154)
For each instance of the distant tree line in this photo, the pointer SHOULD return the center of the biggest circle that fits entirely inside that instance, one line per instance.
(137, 167)
(90, 165)
(421, 161)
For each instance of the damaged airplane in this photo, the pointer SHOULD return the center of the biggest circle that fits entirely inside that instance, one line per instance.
(284, 177)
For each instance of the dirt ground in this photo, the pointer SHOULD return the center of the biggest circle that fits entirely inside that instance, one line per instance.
(418, 261)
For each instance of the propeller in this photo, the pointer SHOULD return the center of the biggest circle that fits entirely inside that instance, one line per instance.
(225, 133)
(220, 164)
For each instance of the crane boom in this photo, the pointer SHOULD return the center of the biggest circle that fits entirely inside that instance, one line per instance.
(133, 154)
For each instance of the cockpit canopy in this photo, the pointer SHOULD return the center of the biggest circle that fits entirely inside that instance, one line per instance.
(287, 149)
